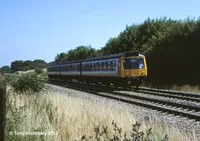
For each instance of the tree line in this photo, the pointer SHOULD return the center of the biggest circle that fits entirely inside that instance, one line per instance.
(171, 48)
(20, 65)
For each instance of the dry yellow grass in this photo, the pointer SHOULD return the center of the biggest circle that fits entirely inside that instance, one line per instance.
(184, 88)
(72, 117)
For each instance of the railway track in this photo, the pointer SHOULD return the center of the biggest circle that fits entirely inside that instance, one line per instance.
(171, 94)
(191, 111)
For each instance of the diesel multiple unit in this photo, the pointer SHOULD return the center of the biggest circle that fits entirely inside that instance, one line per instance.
(122, 69)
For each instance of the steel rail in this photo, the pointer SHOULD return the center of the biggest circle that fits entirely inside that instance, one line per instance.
(187, 97)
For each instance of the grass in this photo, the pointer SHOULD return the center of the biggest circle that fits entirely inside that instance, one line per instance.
(1, 77)
(184, 88)
(73, 118)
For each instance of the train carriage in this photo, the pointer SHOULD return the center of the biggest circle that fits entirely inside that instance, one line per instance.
(53, 71)
(70, 70)
(120, 69)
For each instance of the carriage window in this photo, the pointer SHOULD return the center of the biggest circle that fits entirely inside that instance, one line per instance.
(103, 66)
(114, 65)
(90, 66)
(83, 67)
(108, 65)
(111, 65)
(94, 66)
(49, 69)
(62, 68)
(100, 66)
(78, 67)
(74, 68)
(97, 64)
(86, 67)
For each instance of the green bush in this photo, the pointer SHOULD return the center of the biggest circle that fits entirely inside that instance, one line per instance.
(38, 71)
(27, 83)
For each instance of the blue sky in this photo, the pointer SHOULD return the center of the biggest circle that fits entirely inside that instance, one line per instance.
(40, 29)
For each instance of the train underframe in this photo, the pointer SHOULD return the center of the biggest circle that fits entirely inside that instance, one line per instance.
(116, 81)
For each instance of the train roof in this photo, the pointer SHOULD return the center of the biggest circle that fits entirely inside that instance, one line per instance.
(55, 63)
(70, 62)
(127, 54)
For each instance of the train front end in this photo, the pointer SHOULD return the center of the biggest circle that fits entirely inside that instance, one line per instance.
(134, 69)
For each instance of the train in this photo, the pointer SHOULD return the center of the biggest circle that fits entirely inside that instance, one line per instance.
(123, 69)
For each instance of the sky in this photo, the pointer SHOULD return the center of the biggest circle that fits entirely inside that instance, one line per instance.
(41, 29)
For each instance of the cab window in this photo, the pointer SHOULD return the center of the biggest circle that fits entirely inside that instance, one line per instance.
(133, 63)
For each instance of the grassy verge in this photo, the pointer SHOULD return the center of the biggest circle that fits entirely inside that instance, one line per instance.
(71, 118)
(184, 88)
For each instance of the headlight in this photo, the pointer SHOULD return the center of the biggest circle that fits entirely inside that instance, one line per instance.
(142, 74)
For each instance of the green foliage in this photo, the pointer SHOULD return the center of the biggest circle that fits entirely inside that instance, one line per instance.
(27, 65)
(27, 83)
(171, 47)
(113, 46)
(5, 69)
(38, 71)
(81, 52)
(17, 65)
(61, 57)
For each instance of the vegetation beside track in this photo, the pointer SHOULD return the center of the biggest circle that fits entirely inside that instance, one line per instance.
(72, 117)
(175, 87)
(69, 117)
